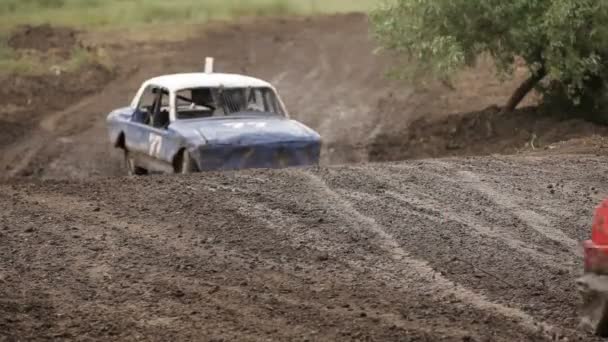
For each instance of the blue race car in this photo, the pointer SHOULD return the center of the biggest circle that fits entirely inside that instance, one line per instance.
(195, 122)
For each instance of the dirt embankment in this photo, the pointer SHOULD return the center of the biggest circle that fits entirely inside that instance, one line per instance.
(44, 38)
(488, 132)
(25, 100)
(452, 250)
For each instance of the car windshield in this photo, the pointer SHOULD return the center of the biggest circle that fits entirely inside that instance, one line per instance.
(209, 102)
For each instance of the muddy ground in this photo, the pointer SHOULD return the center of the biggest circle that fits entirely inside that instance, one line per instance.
(457, 249)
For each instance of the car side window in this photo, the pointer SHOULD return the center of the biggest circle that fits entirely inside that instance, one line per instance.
(153, 108)
(145, 106)
(160, 111)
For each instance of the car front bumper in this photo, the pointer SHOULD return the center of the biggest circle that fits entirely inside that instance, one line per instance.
(263, 156)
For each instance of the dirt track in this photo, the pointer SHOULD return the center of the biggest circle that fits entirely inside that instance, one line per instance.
(472, 250)
(481, 249)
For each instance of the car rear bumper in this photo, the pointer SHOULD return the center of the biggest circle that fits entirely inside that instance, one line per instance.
(276, 155)
(596, 257)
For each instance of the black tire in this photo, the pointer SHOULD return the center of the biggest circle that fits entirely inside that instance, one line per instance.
(602, 327)
(598, 316)
(185, 164)
(594, 309)
(132, 169)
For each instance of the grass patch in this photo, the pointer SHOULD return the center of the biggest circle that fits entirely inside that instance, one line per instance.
(82, 57)
(9, 60)
(33, 63)
(126, 13)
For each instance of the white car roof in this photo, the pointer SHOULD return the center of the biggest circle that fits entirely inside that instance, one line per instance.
(177, 82)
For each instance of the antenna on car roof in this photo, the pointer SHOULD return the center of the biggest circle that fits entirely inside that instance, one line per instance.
(208, 65)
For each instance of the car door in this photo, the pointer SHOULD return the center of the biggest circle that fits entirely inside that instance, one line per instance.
(147, 135)
(138, 129)
(158, 128)
(160, 141)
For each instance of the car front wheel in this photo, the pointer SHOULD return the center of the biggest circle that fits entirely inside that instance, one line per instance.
(132, 168)
(185, 164)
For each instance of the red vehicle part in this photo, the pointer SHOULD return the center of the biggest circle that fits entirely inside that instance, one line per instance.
(593, 286)
(596, 249)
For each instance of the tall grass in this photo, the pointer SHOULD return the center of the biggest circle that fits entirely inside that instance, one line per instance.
(126, 13)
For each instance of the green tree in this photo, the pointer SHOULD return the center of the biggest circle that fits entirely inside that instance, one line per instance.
(563, 42)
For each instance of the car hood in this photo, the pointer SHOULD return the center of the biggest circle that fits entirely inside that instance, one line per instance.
(249, 130)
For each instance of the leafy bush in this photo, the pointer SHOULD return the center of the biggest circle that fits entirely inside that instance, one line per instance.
(563, 42)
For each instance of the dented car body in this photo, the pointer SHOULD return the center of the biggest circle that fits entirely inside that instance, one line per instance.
(208, 121)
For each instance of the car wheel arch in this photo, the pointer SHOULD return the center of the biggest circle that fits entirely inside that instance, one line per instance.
(120, 141)
(177, 159)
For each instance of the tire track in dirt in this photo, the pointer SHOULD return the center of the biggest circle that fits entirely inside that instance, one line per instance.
(67, 204)
(420, 271)
(469, 221)
(306, 290)
(451, 248)
(535, 221)
(63, 204)
(52, 274)
(427, 169)
(515, 216)
(416, 209)
(422, 204)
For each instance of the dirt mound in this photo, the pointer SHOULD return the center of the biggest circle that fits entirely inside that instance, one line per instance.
(52, 92)
(479, 133)
(28, 99)
(43, 38)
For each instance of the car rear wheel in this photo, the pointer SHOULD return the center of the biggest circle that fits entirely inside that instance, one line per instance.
(132, 168)
(185, 164)
(594, 309)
